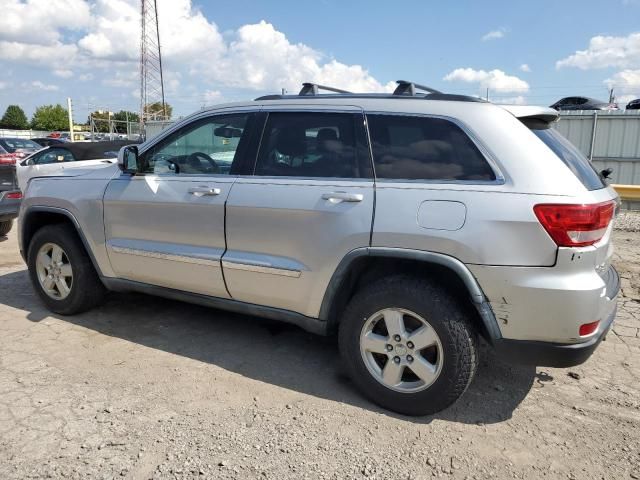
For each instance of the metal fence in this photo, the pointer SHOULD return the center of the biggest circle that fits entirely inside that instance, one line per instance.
(608, 139)
(22, 133)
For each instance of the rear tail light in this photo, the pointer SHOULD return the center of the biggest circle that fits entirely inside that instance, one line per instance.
(8, 159)
(588, 328)
(13, 195)
(575, 225)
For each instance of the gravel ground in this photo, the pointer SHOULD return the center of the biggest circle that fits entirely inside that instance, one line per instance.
(149, 388)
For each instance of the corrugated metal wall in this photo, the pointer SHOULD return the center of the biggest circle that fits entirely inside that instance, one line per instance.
(614, 144)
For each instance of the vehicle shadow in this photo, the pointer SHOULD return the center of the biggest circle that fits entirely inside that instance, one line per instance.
(272, 352)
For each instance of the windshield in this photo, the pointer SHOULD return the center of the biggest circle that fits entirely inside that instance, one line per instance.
(14, 144)
(570, 156)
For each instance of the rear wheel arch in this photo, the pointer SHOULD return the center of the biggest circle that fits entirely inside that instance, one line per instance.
(364, 266)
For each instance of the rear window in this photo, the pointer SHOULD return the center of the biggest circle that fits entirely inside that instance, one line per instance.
(424, 148)
(15, 144)
(570, 156)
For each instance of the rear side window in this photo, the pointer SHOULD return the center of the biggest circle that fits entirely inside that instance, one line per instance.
(570, 156)
(423, 148)
(313, 145)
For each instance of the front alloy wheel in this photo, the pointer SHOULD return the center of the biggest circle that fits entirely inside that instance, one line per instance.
(54, 271)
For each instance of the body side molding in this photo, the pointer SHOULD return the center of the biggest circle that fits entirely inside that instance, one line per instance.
(309, 324)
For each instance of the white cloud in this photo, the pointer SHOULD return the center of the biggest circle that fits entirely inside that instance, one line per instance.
(262, 58)
(602, 52)
(525, 68)
(626, 85)
(495, 80)
(63, 73)
(519, 100)
(212, 96)
(102, 37)
(38, 85)
(494, 35)
(40, 21)
(4, 85)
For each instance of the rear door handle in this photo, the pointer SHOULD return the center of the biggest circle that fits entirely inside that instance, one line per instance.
(204, 191)
(337, 197)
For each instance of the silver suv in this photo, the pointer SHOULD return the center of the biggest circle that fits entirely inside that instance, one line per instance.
(410, 224)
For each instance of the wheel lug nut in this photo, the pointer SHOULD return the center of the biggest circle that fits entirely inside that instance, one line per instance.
(410, 344)
(389, 347)
(396, 359)
(396, 338)
(409, 358)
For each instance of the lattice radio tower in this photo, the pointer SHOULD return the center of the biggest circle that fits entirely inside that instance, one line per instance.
(151, 82)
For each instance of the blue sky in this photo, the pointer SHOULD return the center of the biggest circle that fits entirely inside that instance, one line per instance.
(524, 52)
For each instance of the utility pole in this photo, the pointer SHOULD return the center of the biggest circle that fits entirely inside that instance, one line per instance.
(612, 97)
(487, 94)
(70, 112)
(151, 79)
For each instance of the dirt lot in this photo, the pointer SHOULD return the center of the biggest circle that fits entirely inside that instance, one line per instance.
(149, 388)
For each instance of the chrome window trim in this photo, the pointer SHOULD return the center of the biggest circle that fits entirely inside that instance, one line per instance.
(166, 256)
(260, 269)
(488, 155)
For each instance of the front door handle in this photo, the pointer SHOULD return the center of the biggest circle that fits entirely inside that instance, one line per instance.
(204, 191)
(337, 197)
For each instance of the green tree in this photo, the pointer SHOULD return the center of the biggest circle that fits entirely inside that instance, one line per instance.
(14, 117)
(154, 110)
(124, 116)
(100, 120)
(50, 117)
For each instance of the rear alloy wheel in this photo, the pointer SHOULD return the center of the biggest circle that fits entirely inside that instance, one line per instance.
(401, 350)
(408, 345)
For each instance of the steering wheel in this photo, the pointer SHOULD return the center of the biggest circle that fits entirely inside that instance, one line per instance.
(196, 156)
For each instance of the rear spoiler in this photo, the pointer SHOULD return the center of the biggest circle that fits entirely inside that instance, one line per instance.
(527, 112)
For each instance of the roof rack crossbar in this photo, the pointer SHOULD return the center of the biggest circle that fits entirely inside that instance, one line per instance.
(314, 88)
(409, 88)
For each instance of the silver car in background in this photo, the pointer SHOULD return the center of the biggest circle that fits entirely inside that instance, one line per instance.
(411, 224)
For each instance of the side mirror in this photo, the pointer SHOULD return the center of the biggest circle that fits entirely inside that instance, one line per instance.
(128, 159)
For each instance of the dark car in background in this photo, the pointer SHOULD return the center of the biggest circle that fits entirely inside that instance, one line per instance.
(14, 149)
(10, 196)
(634, 104)
(583, 103)
(48, 141)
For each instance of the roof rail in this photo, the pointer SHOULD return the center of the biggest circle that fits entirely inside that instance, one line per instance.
(409, 88)
(314, 88)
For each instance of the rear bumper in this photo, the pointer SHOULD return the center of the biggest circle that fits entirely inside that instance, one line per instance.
(547, 354)
(561, 355)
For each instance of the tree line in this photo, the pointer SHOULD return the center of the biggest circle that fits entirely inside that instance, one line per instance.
(55, 117)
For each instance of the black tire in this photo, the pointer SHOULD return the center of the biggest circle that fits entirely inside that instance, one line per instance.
(5, 227)
(449, 319)
(87, 291)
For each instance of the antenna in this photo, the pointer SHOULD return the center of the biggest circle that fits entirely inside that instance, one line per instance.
(151, 81)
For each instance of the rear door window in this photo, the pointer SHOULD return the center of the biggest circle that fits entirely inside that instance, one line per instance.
(310, 144)
(424, 148)
(569, 154)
